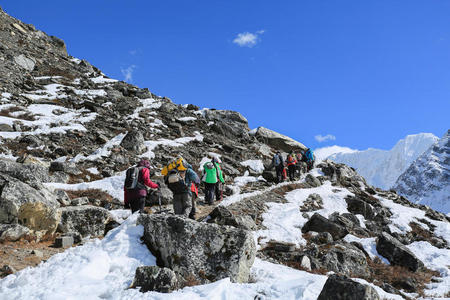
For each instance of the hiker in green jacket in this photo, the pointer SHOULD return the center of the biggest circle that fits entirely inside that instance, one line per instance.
(220, 181)
(210, 179)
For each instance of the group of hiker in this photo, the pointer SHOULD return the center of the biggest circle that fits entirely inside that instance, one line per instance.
(181, 179)
(295, 163)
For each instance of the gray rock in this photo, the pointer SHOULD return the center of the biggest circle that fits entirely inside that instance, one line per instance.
(280, 246)
(37, 253)
(153, 278)
(134, 141)
(77, 238)
(270, 176)
(87, 220)
(396, 253)
(64, 241)
(62, 197)
(358, 206)
(305, 263)
(13, 232)
(6, 128)
(342, 288)
(209, 252)
(25, 62)
(277, 140)
(32, 174)
(345, 259)
(7, 270)
(222, 216)
(319, 223)
(322, 238)
(312, 181)
(164, 193)
(31, 140)
(80, 201)
(23, 204)
(66, 167)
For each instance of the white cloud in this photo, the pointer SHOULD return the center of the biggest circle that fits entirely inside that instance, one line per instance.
(247, 39)
(132, 52)
(128, 73)
(322, 138)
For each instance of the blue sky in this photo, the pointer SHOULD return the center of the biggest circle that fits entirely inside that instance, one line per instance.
(364, 72)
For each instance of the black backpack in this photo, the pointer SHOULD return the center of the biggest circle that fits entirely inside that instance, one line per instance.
(132, 179)
(175, 182)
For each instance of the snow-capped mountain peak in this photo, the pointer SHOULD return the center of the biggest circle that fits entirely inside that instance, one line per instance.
(381, 168)
(427, 179)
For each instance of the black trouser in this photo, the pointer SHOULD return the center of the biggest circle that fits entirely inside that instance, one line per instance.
(209, 192)
(279, 170)
(291, 171)
(219, 191)
(137, 204)
(194, 205)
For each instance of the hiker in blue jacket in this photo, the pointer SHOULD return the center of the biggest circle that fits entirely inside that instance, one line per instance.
(309, 158)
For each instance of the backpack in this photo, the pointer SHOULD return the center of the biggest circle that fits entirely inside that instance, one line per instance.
(178, 164)
(132, 179)
(176, 183)
(277, 160)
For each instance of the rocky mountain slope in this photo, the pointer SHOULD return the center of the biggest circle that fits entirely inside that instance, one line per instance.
(427, 180)
(68, 134)
(381, 168)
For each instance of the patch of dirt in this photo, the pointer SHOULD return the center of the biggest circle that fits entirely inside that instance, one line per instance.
(19, 255)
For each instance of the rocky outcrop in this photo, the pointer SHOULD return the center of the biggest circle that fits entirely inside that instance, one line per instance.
(397, 253)
(86, 220)
(154, 278)
(344, 258)
(134, 141)
(28, 206)
(277, 140)
(342, 288)
(222, 216)
(319, 223)
(228, 123)
(13, 232)
(208, 252)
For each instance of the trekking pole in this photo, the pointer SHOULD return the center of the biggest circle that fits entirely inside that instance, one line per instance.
(159, 202)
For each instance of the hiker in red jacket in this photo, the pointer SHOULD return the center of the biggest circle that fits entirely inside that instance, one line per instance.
(135, 198)
(291, 162)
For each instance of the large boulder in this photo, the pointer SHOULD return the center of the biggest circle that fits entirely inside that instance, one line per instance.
(396, 253)
(154, 278)
(208, 252)
(342, 288)
(319, 223)
(312, 180)
(278, 140)
(163, 193)
(13, 232)
(134, 141)
(28, 206)
(86, 220)
(345, 259)
(222, 216)
(228, 123)
(29, 173)
(357, 206)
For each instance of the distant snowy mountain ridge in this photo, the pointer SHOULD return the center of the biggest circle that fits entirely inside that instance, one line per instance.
(381, 168)
(427, 180)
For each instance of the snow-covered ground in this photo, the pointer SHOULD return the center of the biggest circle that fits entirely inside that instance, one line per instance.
(104, 269)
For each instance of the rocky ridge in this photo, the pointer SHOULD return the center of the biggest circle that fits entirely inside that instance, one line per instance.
(68, 133)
